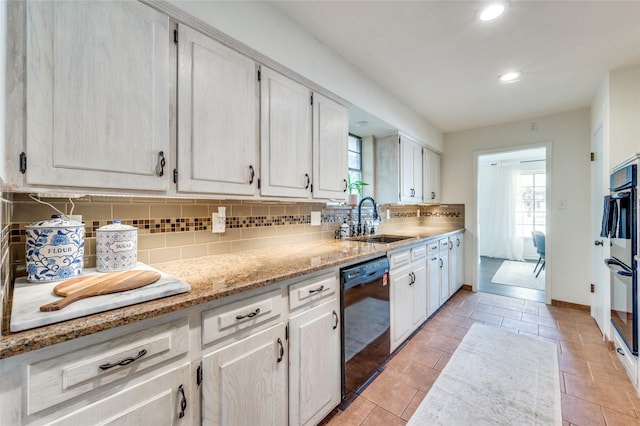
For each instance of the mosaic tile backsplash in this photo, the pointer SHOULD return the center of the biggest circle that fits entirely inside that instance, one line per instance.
(173, 229)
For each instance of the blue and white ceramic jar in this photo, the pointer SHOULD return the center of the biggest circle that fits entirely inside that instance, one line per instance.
(54, 249)
(116, 247)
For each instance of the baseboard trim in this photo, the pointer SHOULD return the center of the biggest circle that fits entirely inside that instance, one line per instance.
(467, 287)
(578, 306)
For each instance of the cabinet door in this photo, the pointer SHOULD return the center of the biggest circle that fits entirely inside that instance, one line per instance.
(218, 117)
(434, 283)
(432, 178)
(445, 290)
(244, 383)
(162, 400)
(401, 304)
(97, 94)
(410, 170)
(314, 364)
(285, 143)
(419, 293)
(459, 253)
(330, 146)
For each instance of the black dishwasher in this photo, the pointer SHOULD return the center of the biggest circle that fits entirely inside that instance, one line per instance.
(365, 323)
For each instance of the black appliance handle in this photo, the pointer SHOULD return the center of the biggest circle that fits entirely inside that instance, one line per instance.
(623, 270)
(621, 195)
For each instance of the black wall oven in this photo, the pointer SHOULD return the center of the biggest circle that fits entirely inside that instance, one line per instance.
(620, 224)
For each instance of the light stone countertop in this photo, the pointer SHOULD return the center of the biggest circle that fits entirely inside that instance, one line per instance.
(216, 277)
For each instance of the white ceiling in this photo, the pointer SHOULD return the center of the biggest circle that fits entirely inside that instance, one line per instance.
(441, 61)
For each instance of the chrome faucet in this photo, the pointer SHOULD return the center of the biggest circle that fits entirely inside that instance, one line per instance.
(375, 212)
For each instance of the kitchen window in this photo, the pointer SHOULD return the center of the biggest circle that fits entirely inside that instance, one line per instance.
(355, 158)
(531, 203)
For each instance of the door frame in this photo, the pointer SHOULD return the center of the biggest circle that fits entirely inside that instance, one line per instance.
(549, 219)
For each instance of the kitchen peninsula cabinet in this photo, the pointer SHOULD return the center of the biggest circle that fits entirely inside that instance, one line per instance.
(433, 282)
(456, 259)
(218, 117)
(92, 122)
(408, 293)
(443, 259)
(398, 169)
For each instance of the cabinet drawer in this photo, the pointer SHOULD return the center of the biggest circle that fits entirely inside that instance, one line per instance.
(433, 249)
(399, 259)
(308, 291)
(626, 358)
(241, 315)
(58, 379)
(418, 253)
(444, 244)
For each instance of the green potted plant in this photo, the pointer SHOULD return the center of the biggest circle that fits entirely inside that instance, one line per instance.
(355, 190)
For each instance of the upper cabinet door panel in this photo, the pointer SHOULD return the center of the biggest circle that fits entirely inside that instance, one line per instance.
(285, 145)
(330, 146)
(97, 94)
(217, 121)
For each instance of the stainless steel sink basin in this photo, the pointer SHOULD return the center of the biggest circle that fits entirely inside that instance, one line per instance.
(380, 239)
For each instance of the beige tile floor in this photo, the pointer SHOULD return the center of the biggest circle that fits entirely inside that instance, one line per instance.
(595, 389)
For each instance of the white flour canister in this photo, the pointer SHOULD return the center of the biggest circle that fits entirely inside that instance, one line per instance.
(116, 247)
(54, 249)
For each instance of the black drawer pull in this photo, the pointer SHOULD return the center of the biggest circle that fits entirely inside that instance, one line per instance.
(125, 361)
(335, 315)
(251, 315)
(620, 351)
(317, 290)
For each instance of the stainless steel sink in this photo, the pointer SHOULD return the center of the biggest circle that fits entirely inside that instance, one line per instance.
(380, 239)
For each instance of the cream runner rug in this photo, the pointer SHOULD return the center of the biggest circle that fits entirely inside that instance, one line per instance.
(495, 377)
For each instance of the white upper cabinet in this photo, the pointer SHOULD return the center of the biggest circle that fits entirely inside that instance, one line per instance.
(218, 117)
(398, 169)
(97, 95)
(285, 146)
(432, 178)
(330, 146)
(410, 170)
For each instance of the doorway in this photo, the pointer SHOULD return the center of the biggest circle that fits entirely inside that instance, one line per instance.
(512, 222)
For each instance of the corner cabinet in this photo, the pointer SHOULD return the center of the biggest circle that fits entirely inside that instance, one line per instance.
(398, 169)
(432, 193)
(97, 95)
(285, 142)
(218, 117)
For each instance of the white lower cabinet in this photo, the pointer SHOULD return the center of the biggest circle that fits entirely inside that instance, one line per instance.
(433, 283)
(314, 363)
(244, 382)
(445, 289)
(408, 293)
(456, 261)
(160, 400)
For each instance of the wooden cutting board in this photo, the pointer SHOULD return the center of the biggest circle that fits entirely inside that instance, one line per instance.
(82, 287)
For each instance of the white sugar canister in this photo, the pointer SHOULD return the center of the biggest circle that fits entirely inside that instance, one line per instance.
(116, 247)
(54, 249)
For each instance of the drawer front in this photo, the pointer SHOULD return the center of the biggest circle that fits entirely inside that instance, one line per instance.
(241, 315)
(58, 379)
(309, 291)
(433, 249)
(418, 253)
(444, 244)
(399, 259)
(626, 358)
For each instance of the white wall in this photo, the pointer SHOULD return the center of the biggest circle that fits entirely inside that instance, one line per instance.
(3, 91)
(624, 104)
(264, 28)
(568, 236)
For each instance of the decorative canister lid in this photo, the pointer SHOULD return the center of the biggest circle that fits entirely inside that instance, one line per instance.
(56, 221)
(116, 226)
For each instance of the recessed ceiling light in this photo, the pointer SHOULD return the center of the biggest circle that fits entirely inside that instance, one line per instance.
(510, 77)
(493, 11)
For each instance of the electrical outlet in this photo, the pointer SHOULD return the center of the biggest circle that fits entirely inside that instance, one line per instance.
(76, 217)
(217, 223)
